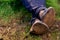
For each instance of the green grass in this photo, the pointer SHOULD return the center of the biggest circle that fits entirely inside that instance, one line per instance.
(15, 9)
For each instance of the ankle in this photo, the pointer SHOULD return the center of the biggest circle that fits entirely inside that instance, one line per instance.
(41, 13)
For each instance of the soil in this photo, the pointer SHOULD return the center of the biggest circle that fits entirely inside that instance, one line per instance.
(13, 30)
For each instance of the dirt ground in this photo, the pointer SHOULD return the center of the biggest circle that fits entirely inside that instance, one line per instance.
(14, 30)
